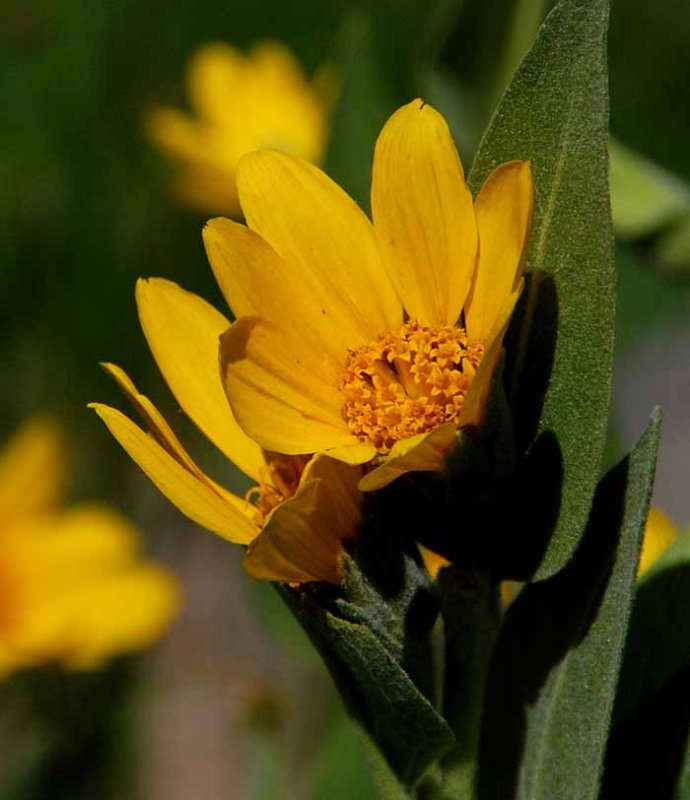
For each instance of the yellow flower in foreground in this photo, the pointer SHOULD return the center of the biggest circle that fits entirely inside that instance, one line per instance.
(659, 535)
(240, 103)
(73, 588)
(302, 508)
(370, 341)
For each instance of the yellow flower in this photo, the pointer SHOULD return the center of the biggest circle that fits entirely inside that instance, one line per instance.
(241, 102)
(73, 588)
(370, 341)
(301, 509)
(659, 535)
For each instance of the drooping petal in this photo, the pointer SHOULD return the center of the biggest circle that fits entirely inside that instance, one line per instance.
(194, 497)
(423, 214)
(302, 540)
(327, 241)
(182, 331)
(423, 453)
(277, 396)
(504, 210)
(32, 469)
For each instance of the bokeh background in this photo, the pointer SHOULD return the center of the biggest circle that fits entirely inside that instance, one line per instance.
(233, 705)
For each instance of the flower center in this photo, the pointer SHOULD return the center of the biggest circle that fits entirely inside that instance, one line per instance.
(408, 382)
(279, 480)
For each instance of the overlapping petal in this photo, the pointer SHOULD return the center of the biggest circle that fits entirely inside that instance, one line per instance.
(327, 241)
(182, 331)
(423, 214)
(195, 498)
(302, 540)
(278, 395)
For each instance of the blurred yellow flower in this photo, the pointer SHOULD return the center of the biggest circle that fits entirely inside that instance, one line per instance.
(371, 343)
(659, 535)
(73, 588)
(240, 103)
(301, 509)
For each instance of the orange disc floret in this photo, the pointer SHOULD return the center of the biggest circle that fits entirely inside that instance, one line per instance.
(408, 382)
(279, 481)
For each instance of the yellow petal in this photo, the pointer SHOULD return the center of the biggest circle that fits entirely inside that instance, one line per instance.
(280, 400)
(423, 453)
(214, 79)
(195, 498)
(474, 405)
(302, 540)
(504, 210)
(32, 469)
(207, 191)
(100, 629)
(158, 427)
(328, 243)
(659, 535)
(182, 331)
(256, 280)
(423, 214)
(433, 562)
(176, 134)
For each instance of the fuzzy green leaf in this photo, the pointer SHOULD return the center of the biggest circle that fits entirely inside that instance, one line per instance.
(554, 673)
(555, 114)
(374, 647)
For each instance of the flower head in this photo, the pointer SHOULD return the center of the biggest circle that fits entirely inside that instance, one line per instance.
(240, 103)
(370, 341)
(73, 588)
(301, 509)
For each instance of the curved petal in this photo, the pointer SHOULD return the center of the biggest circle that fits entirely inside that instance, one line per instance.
(474, 405)
(504, 210)
(423, 214)
(302, 540)
(195, 498)
(32, 469)
(278, 398)
(424, 453)
(256, 280)
(182, 331)
(327, 241)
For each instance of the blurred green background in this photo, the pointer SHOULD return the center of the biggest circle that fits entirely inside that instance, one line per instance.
(233, 704)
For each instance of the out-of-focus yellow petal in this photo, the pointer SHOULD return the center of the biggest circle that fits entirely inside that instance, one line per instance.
(182, 331)
(504, 210)
(214, 80)
(101, 629)
(423, 214)
(303, 537)
(328, 243)
(474, 405)
(195, 498)
(659, 535)
(32, 469)
(279, 399)
(176, 133)
(424, 453)
(208, 191)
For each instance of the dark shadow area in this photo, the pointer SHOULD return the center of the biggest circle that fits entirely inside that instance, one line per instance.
(646, 751)
(658, 643)
(526, 378)
(545, 621)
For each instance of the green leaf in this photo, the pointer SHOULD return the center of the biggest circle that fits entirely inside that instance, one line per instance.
(644, 196)
(554, 672)
(372, 641)
(658, 644)
(555, 114)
